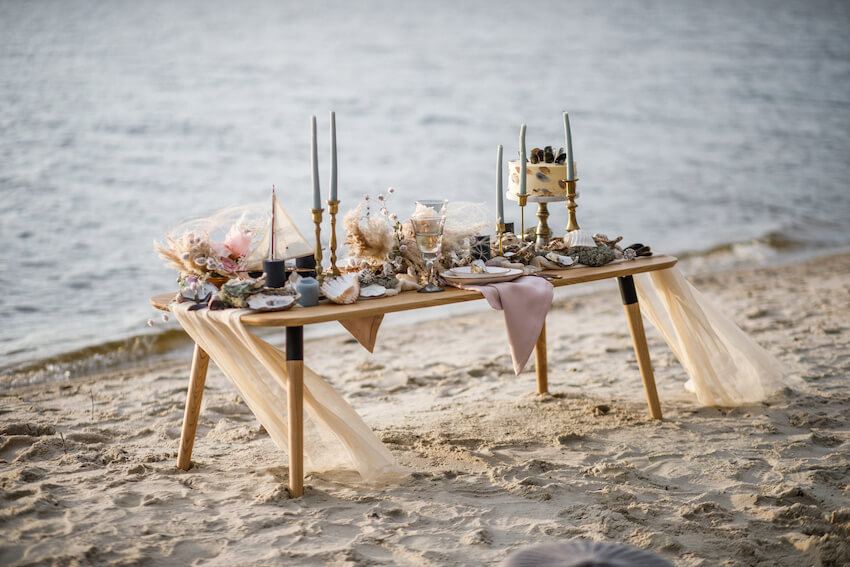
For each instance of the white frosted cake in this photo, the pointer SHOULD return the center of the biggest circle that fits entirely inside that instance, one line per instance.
(541, 179)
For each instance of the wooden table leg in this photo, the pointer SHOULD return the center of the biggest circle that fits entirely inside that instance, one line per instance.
(197, 378)
(295, 408)
(630, 303)
(540, 362)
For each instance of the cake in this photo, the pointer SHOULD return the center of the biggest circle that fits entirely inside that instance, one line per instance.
(545, 174)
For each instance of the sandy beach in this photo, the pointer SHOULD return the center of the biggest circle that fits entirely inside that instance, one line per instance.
(88, 476)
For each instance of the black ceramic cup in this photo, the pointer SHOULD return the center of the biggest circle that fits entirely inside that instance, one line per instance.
(306, 266)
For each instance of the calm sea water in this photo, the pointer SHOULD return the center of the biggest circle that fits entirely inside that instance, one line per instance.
(695, 125)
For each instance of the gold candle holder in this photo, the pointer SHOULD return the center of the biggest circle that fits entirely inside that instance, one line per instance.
(572, 224)
(317, 220)
(333, 209)
(500, 230)
(544, 234)
(523, 200)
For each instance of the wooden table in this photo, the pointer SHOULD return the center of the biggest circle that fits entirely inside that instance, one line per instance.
(294, 321)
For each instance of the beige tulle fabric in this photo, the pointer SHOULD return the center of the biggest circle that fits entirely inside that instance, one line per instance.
(335, 437)
(725, 366)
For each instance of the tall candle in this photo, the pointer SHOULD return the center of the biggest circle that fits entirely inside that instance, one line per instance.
(571, 172)
(333, 156)
(500, 203)
(522, 160)
(314, 160)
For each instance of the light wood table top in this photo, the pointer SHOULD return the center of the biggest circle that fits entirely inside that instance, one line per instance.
(299, 316)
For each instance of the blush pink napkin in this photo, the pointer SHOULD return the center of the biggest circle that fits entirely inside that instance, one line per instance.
(526, 302)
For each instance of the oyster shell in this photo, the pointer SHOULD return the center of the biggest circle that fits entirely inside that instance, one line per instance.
(560, 259)
(373, 291)
(344, 289)
(580, 238)
(266, 302)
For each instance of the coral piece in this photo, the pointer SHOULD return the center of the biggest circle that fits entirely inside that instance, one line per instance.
(595, 256)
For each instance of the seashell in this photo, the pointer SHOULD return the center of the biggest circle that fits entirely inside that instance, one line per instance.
(562, 157)
(344, 289)
(541, 177)
(560, 259)
(580, 238)
(603, 239)
(545, 169)
(373, 291)
(266, 302)
(562, 183)
(533, 157)
(478, 267)
(243, 288)
(198, 291)
(548, 154)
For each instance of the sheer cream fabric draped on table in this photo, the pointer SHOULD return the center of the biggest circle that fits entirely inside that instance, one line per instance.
(726, 367)
(335, 437)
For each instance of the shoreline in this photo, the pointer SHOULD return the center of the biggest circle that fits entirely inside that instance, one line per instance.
(89, 471)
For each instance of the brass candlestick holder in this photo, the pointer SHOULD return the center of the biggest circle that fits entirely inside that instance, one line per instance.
(500, 230)
(571, 205)
(544, 234)
(333, 209)
(523, 200)
(317, 220)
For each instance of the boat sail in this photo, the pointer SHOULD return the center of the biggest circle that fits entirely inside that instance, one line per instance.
(281, 241)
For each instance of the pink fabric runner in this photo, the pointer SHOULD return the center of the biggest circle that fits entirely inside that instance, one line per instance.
(526, 302)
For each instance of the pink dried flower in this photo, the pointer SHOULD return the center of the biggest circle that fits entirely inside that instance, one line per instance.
(390, 190)
(220, 249)
(228, 266)
(238, 241)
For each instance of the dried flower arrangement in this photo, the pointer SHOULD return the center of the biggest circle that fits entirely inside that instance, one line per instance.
(195, 254)
(218, 247)
(383, 244)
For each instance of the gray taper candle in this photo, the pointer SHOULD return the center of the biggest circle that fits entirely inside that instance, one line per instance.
(522, 160)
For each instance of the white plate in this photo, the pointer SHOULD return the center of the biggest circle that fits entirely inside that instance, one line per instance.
(466, 272)
(511, 274)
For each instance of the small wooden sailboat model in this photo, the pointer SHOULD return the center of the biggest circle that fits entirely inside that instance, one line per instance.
(281, 241)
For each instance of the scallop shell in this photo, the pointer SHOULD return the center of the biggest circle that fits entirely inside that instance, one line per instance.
(344, 289)
(581, 238)
(266, 302)
(373, 291)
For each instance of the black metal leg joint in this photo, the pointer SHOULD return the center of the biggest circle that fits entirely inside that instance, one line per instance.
(627, 290)
(295, 343)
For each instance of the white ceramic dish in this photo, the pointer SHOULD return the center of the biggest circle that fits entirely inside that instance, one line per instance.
(511, 274)
(466, 272)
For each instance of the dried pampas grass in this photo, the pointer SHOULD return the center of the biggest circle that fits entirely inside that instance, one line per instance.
(368, 236)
